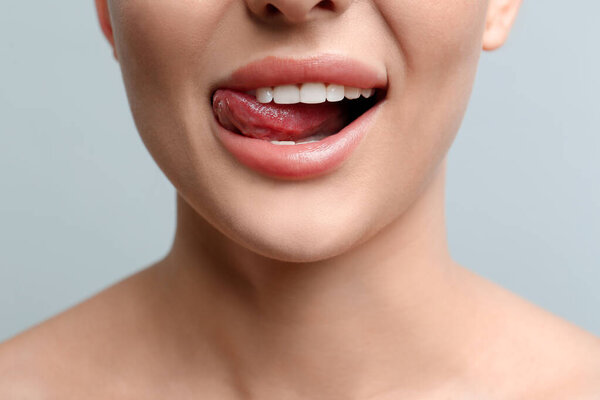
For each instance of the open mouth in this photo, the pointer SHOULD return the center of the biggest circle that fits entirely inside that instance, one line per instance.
(293, 114)
(300, 117)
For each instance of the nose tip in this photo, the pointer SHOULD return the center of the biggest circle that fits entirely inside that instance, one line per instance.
(295, 11)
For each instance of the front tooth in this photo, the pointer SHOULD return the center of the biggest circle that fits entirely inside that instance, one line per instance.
(286, 94)
(264, 95)
(314, 138)
(335, 92)
(283, 142)
(366, 93)
(313, 93)
(351, 93)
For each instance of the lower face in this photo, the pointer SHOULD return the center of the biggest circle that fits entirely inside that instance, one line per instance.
(174, 53)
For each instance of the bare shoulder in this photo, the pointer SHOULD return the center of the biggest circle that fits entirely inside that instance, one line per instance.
(571, 364)
(535, 353)
(68, 355)
(569, 370)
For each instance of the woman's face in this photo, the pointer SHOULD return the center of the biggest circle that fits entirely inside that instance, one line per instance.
(173, 54)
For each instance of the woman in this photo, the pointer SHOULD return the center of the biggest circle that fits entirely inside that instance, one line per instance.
(307, 141)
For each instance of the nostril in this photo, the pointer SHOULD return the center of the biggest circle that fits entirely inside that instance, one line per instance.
(271, 9)
(326, 5)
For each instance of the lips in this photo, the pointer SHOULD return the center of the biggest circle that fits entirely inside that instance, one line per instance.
(332, 68)
(245, 127)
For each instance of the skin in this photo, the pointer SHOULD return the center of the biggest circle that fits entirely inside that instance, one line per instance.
(338, 287)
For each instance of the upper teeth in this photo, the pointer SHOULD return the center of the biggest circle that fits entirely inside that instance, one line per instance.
(309, 93)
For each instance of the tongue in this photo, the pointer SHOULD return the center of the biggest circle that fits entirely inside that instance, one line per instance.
(242, 113)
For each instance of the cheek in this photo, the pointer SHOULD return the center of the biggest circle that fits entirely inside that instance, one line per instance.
(433, 67)
(435, 29)
(162, 41)
(439, 44)
(161, 47)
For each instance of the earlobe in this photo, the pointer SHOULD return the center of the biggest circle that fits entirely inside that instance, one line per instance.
(105, 23)
(501, 15)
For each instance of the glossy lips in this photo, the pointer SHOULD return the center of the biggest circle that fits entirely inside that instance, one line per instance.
(302, 160)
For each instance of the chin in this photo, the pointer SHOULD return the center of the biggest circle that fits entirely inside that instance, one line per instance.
(300, 237)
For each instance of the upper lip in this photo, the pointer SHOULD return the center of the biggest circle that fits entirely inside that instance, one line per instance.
(326, 68)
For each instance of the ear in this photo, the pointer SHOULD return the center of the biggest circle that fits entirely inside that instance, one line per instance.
(500, 17)
(105, 24)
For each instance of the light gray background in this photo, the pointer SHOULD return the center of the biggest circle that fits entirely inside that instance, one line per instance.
(82, 203)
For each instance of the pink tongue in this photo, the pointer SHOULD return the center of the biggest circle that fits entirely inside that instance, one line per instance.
(241, 112)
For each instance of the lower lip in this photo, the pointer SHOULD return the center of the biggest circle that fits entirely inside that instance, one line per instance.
(299, 161)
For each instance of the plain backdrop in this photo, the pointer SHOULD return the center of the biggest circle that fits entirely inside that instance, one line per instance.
(82, 204)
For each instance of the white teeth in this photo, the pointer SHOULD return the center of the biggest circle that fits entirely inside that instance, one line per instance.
(283, 142)
(335, 92)
(366, 93)
(286, 94)
(351, 93)
(313, 93)
(264, 95)
(314, 138)
(311, 139)
(309, 93)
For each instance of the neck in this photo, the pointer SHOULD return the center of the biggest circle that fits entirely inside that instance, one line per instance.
(381, 316)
